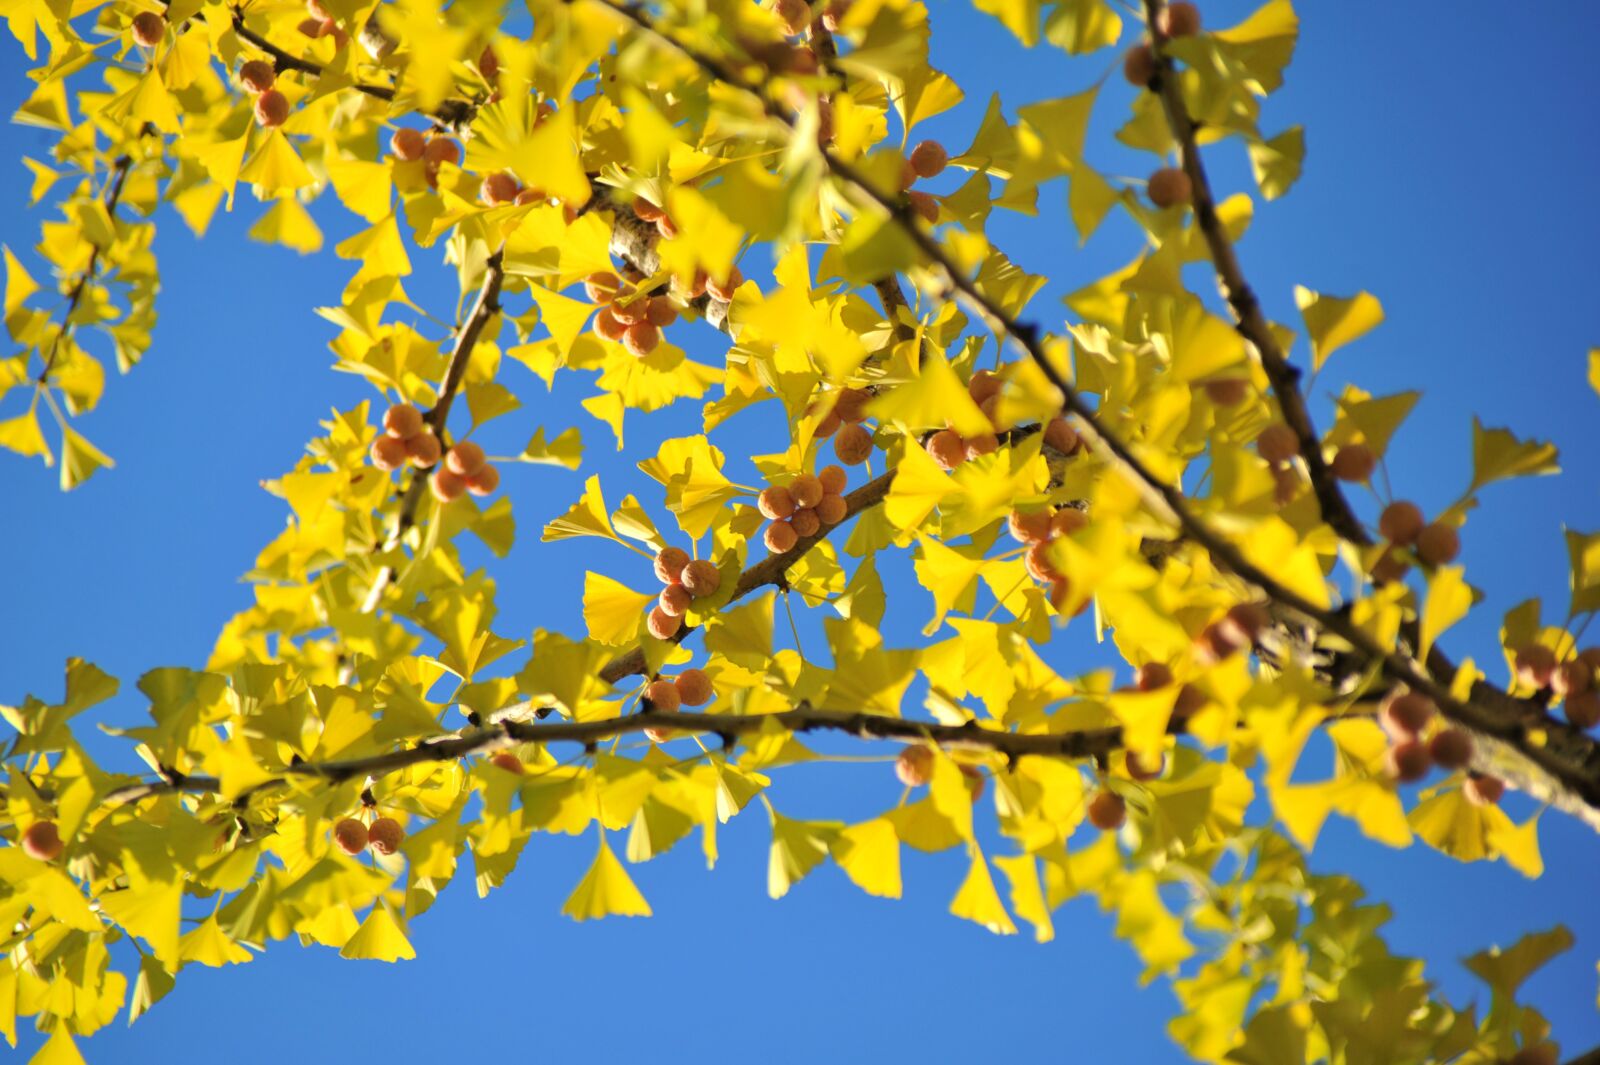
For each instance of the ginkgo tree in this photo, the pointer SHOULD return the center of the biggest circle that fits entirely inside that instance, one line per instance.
(602, 175)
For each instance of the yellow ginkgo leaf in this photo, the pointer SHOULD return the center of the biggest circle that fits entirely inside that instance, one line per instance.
(979, 902)
(869, 854)
(606, 889)
(380, 937)
(612, 610)
(1334, 321)
(210, 946)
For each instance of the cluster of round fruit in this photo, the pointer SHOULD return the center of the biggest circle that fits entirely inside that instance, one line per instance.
(258, 78)
(502, 187)
(926, 160)
(1405, 717)
(1403, 526)
(320, 23)
(409, 145)
(1237, 630)
(408, 438)
(1038, 529)
(852, 441)
(692, 687)
(803, 507)
(914, 767)
(666, 228)
(686, 580)
(42, 841)
(1176, 20)
(633, 319)
(353, 836)
(798, 18)
(1573, 680)
(149, 29)
(950, 449)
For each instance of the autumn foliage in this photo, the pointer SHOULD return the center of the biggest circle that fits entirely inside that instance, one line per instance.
(728, 207)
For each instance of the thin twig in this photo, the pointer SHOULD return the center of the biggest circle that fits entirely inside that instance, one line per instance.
(113, 195)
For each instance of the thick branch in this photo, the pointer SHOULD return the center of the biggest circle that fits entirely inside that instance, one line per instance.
(1571, 765)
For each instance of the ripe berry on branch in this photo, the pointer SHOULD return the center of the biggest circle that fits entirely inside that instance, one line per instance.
(914, 766)
(507, 761)
(662, 695)
(780, 537)
(1535, 665)
(1139, 65)
(1277, 444)
(1451, 749)
(500, 188)
(42, 841)
(1179, 19)
(775, 503)
(947, 449)
(1029, 527)
(466, 459)
(385, 835)
(1405, 714)
(484, 482)
(1353, 462)
(674, 600)
(805, 521)
(641, 338)
(257, 75)
(447, 485)
(852, 445)
(423, 449)
(149, 28)
(1227, 391)
(402, 421)
(832, 509)
(723, 290)
(702, 578)
(694, 687)
(442, 150)
(1107, 811)
(1438, 544)
(1407, 761)
(1401, 522)
(1169, 187)
(350, 836)
(1059, 434)
(272, 109)
(661, 625)
(388, 452)
(806, 490)
(1483, 790)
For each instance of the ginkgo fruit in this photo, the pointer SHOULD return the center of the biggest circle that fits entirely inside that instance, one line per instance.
(1227, 391)
(384, 835)
(500, 188)
(1483, 790)
(149, 28)
(1583, 710)
(702, 578)
(489, 63)
(852, 445)
(609, 326)
(272, 109)
(1401, 522)
(914, 766)
(423, 450)
(947, 449)
(602, 287)
(446, 485)
(694, 687)
(780, 537)
(980, 445)
(350, 836)
(1169, 187)
(257, 75)
(440, 150)
(388, 452)
(1407, 761)
(1029, 527)
(1140, 769)
(42, 841)
(831, 509)
(484, 482)
(1152, 676)
(669, 564)
(407, 144)
(805, 521)
(805, 490)
(1139, 65)
(1451, 749)
(1107, 810)
(1277, 444)
(1067, 521)
(403, 421)
(661, 625)
(674, 600)
(833, 15)
(929, 159)
(1179, 19)
(641, 338)
(662, 695)
(723, 290)
(661, 313)
(1535, 665)
(465, 458)
(1391, 566)
(851, 404)
(1438, 544)
(925, 205)
(833, 480)
(1573, 677)
(1039, 564)
(775, 503)
(1059, 434)
(1406, 714)
(1353, 462)
(1217, 642)
(984, 385)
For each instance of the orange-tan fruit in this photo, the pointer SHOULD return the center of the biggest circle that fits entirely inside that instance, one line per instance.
(832, 509)
(385, 835)
(829, 425)
(1139, 769)
(914, 766)
(775, 502)
(507, 761)
(780, 537)
(466, 458)
(423, 449)
(1227, 391)
(694, 687)
(402, 420)
(484, 482)
(1401, 522)
(674, 600)
(1107, 811)
(1038, 563)
(1277, 444)
(1139, 65)
(1152, 676)
(488, 63)
(1438, 544)
(852, 403)
(641, 338)
(978, 446)
(929, 159)
(272, 109)
(1067, 521)
(42, 841)
(1060, 435)
(1029, 527)
(602, 287)
(663, 696)
(1451, 749)
(724, 289)
(662, 626)
(947, 449)
(608, 326)
(984, 385)
(1407, 761)
(1536, 665)
(350, 836)
(975, 781)
(1583, 710)
(499, 188)
(702, 578)
(447, 485)
(257, 75)
(833, 480)
(806, 521)
(926, 206)
(1573, 677)
(1353, 462)
(806, 490)
(1217, 642)
(149, 28)
(388, 453)
(853, 444)
(1483, 790)
(1169, 187)
(1406, 714)
(1180, 19)
(669, 564)
(660, 312)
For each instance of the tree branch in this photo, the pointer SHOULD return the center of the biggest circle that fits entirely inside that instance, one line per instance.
(1571, 766)
(1253, 325)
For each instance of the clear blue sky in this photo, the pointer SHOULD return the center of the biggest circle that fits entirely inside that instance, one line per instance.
(1450, 158)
